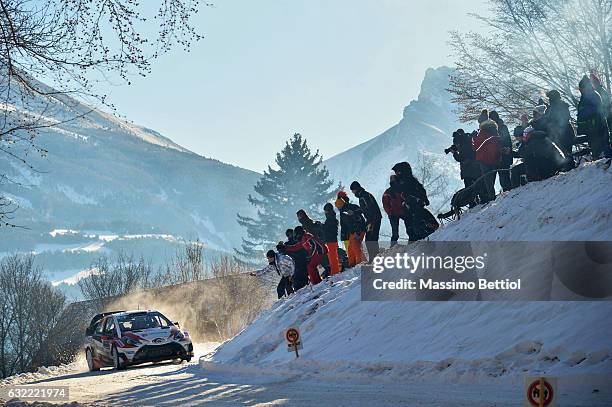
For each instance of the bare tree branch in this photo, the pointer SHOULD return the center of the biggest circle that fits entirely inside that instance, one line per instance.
(72, 45)
(532, 46)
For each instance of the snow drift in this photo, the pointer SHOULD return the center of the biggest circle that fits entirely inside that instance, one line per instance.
(459, 341)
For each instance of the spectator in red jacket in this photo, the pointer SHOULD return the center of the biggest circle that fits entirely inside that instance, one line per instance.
(314, 248)
(393, 204)
(487, 148)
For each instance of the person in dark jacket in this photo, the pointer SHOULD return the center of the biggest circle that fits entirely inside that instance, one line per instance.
(289, 235)
(606, 100)
(315, 228)
(315, 250)
(330, 234)
(300, 259)
(558, 127)
(352, 228)
(487, 150)
(542, 158)
(408, 184)
(518, 171)
(393, 204)
(420, 221)
(506, 151)
(592, 120)
(538, 118)
(463, 153)
(371, 212)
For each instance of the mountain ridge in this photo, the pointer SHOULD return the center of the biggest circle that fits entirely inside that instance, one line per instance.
(426, 127)
(107, 175)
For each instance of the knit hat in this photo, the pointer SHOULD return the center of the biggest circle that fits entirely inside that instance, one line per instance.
(301, 214)
(484, 115)
(270, 253)
(494, 116)
(298, 231)
(328, 207)
(341, 200)
(402, 167)
(355, 186)
(489, 126)
(553, 95)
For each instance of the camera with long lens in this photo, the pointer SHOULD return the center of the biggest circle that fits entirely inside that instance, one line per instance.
(452, 148)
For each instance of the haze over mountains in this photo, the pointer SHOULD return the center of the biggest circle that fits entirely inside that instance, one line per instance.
(108, 186)
(426, 126)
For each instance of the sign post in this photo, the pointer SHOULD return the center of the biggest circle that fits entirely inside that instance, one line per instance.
(540, 391)
(292, 337)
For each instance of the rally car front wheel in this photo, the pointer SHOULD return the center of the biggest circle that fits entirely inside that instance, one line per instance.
(91, 364)
(117, 362)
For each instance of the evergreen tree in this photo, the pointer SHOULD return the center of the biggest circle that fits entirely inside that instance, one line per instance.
(300, 182)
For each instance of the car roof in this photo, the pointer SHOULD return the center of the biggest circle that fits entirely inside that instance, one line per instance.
(99, 317)
(140, 311)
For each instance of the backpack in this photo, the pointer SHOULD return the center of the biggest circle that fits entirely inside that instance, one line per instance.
(285, 264)
(421, 224)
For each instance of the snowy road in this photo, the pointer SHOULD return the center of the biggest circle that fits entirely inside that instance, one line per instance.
(169, 384)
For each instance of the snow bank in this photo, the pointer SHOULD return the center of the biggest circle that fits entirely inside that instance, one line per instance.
(575, 205)
(458, 341)
(344, 336)
(46, 372)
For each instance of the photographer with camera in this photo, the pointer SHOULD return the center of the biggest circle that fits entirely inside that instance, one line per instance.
(463, 153)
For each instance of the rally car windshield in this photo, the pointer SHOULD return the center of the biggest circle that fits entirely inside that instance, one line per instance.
(140, 321)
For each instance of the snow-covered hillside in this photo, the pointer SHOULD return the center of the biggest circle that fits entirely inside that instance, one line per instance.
(454, 341)
(575, 205)
(451, 354)
(426, 125)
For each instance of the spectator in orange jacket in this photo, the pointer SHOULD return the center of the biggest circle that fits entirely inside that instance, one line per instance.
(352, 228)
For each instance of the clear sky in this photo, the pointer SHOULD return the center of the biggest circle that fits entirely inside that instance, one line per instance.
(337, 71)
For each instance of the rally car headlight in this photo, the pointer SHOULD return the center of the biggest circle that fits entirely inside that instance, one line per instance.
(130, 341)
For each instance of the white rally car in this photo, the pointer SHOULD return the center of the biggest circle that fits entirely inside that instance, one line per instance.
(123, 338)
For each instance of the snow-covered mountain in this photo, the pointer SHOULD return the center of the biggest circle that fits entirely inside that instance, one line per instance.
(110, 185)
(426, 126)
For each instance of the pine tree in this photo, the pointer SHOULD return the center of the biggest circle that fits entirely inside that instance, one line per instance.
(300, 182)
